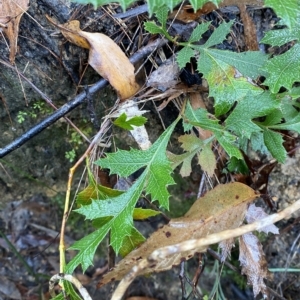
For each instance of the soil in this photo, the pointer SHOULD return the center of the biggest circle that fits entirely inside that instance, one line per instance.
(33, 178)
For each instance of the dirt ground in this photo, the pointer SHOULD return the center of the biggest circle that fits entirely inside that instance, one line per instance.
(33, 178)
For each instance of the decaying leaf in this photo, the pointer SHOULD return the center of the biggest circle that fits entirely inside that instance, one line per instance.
(105, 57)
(255, 213)
(166, 76)
(11, 12)
(222, 208)
(253, 262)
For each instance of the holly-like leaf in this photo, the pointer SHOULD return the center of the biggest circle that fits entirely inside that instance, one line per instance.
(153, 28)
(128, 124)
(200, 118)
(273, 141)
(288, 10)
(227, 83)
(247, 63)
(198, 31)
(162, 15)
(252, 106)
(192, 145)
(131, 242)
(154, 180)
(184, 56)
(281, 36)
(283, 70)
(96, 191)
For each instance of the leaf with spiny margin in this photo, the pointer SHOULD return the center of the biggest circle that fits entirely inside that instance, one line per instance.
(199, 3)
(128, 124)
(192, 145)
(283, 70)
(247, 63)
(95, 191)
(153, 6)
(226, 83)
(153, 28)
(273, 141)
(131, 242)
(184, 56)
(219, 34)
(252, 106)
(200, 118)
(162, 15)
(154, 180)
(281, 36)
(288, 10)
(238, 166)
(198, 31)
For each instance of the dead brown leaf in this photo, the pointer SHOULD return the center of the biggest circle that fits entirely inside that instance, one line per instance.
(105, 57)
(11, 12)
(222, 208)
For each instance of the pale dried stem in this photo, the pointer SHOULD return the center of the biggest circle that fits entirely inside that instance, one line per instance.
(58, 277)
(189, 245)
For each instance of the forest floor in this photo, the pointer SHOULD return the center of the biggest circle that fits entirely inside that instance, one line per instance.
(33, 179)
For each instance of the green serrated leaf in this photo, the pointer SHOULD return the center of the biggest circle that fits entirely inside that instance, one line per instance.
(227, 141)
(153, 28)
(128, 124)
(184, 56)
(199, 3)
(87, 248)
(238, 166)
(247, 63)
(252, 106)
(162, 15)
(283, 70)
(293, 124)
(226, 85)
(207, 160)
(200, 118)
(131, 241)
(274, 117)
(258, 144)
(273, 141)
(154, 180)
(288, 10)
(281, 36)
(143, 213)
(198, 31)
(219, 34)
(153, 6)
(93, 191)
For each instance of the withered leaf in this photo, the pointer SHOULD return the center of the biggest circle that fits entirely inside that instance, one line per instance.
(221, 208)
(11, 12)
(253, 262)
(105, 56)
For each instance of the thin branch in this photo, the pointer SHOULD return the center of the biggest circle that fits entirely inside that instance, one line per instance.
(78, 100)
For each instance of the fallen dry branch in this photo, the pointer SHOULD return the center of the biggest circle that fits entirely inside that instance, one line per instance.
(164, 252)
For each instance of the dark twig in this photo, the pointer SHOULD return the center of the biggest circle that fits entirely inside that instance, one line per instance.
(79, 99)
